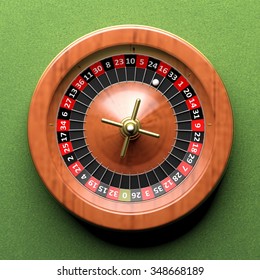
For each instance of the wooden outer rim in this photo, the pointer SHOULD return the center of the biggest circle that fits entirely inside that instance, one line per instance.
(146, 214)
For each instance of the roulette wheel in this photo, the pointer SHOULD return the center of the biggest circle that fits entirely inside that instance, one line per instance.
(130, 128)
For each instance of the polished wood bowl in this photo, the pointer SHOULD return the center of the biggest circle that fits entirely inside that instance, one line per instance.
(145, 154)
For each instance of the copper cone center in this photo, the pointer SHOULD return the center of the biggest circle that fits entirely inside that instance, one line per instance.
(105, 141)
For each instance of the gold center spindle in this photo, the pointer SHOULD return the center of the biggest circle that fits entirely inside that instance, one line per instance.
(112, 122)
(136, 108)
(149, 133)
(130, 127)
(125, 146)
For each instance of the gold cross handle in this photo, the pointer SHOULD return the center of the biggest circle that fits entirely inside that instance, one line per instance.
(130, 127)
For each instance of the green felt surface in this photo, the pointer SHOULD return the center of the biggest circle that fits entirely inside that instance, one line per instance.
(32, 224)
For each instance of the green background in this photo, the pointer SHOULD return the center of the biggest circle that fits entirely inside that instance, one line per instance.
(32, 224)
